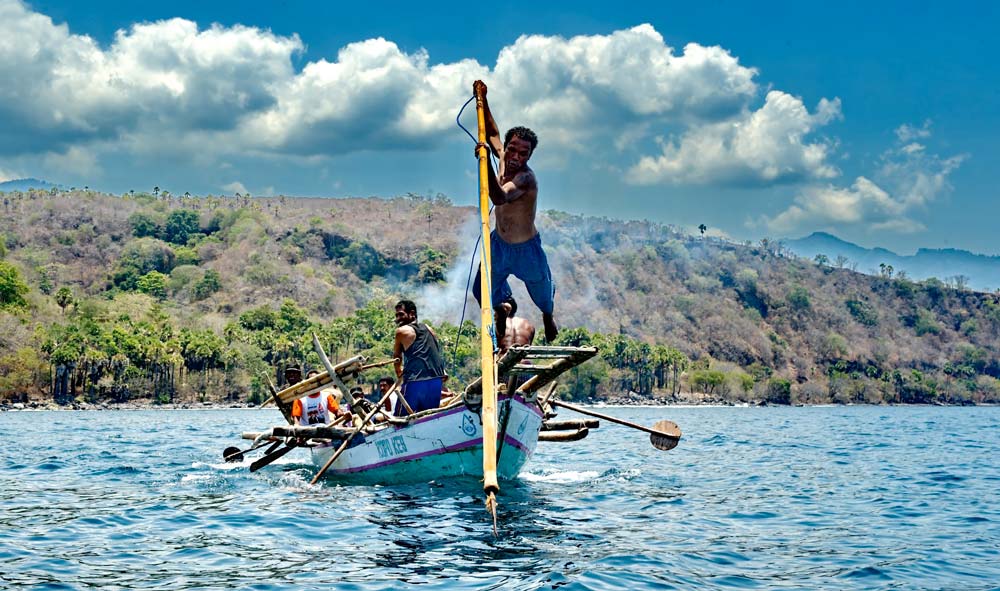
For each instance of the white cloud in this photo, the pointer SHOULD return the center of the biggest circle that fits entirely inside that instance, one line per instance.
(202, 97)
(916, 177)
(899, 226)
(234, 187)
(373, 97)
(76, 159)
(8, 175)
(573, 89)
(710, 231)
(907, 180)
(825, 206)
(761, 147)
(906, 132)
(166, 77)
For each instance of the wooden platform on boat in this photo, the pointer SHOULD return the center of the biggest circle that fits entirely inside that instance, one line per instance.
(542, 363)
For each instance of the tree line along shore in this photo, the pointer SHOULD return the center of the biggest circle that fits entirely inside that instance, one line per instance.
(159, 299)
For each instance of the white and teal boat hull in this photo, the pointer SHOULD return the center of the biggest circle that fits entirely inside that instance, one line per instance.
(442, 445)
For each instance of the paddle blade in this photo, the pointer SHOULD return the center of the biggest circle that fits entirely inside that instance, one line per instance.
(667, 437)
(267, 459)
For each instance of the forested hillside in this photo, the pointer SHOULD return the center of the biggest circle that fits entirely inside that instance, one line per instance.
(167, 298)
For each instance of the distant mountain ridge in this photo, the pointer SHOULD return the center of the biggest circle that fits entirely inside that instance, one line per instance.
(26, 184)
(979, 272)
(982, 272)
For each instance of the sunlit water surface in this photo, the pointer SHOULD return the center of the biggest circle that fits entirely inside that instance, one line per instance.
(753, 498)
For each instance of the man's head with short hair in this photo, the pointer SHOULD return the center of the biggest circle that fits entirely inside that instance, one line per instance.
(512, 303)
(312, 372)
(518, 146)
(406, 312)
(522, 132)
(385, 380)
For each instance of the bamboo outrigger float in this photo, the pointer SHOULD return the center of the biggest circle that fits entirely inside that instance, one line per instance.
(490, 430)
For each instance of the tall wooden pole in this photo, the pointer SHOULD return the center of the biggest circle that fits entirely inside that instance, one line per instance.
(490, 486)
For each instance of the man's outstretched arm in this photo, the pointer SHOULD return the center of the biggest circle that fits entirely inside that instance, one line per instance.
(492, 131)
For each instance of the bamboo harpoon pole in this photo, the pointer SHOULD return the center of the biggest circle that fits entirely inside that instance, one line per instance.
(489, 416)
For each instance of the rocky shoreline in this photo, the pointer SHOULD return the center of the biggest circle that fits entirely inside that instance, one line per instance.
(147, 405)
(683, 399)
(132, 405)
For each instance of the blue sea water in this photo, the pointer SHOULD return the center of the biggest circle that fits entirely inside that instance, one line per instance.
(752, 498)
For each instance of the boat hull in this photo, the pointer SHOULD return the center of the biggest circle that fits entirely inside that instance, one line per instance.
(442, 445)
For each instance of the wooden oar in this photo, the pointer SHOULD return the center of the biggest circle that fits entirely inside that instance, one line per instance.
(354, 433)
(664, 435)
(286, 409)
(274, 455)
(271, 455)
(377, 364)
(406, 405)
(235, 454)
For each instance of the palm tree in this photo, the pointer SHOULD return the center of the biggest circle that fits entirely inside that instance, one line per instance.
(64, 297)
(702, 228)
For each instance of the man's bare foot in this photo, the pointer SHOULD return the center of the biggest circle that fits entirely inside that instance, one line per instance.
(551, 332)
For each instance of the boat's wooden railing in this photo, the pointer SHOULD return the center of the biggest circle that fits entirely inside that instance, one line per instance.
(343, 371)
(542, 363)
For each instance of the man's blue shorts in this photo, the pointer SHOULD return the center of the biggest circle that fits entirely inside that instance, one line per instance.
(420, 395)
(527, 262)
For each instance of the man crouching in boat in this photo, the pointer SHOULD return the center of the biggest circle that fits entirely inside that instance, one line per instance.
(319, 408)
(418, 360)
(519, 332)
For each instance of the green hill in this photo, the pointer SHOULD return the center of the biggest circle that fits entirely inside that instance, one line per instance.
(181, 298)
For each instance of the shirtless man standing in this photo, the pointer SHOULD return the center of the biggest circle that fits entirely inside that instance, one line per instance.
(515, 244)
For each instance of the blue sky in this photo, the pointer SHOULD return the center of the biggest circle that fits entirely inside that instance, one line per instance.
(875, 121)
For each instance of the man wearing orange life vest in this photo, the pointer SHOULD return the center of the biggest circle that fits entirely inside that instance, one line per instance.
(319, 408)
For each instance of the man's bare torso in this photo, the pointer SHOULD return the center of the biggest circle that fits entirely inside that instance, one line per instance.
(516, 220)
(519, 332)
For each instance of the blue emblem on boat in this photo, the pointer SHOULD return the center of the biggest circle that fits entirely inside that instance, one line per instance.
(468, 426)
(522, 426)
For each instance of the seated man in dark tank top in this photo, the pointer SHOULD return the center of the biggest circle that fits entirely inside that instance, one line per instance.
(418, 360)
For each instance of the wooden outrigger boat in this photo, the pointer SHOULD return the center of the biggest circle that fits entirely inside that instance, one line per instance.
(441, 442)
(490, 430)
